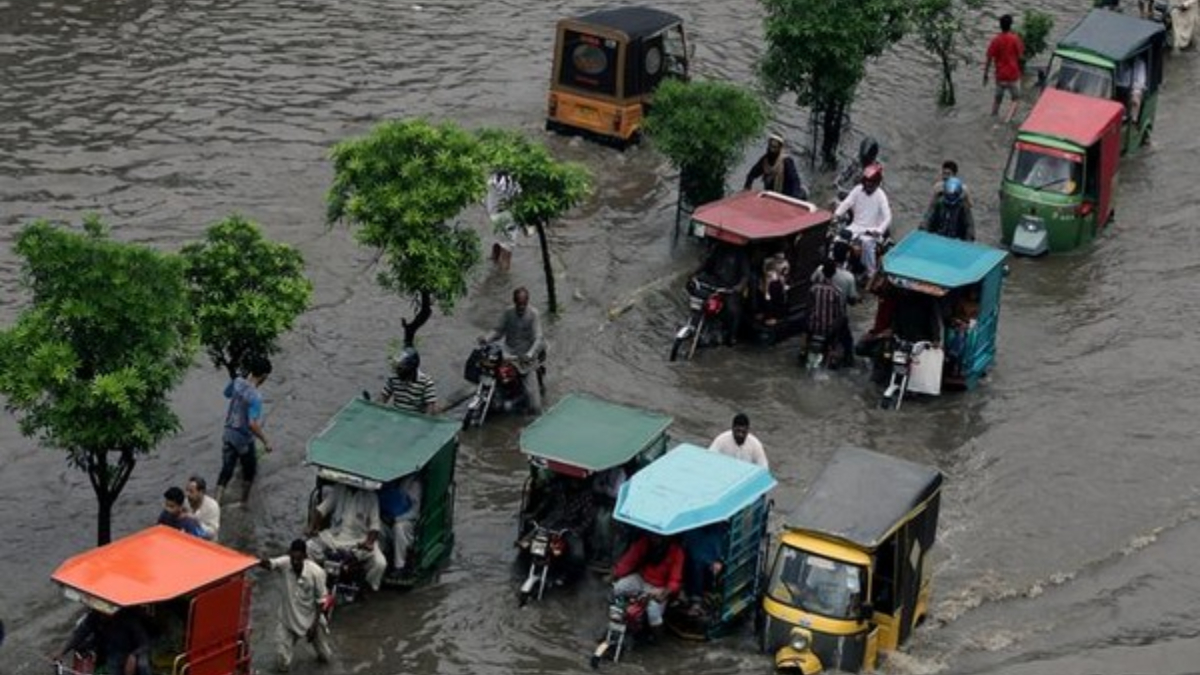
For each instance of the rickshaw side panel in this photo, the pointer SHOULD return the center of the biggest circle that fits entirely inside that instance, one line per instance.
(218, 630)
(980, 350)
(435, 525)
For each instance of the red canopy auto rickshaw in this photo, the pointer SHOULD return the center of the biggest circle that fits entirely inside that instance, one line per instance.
(194, 595)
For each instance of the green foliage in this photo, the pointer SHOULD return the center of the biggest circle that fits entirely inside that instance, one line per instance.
(938, 24)
(703, 127)
(1035, 32)
(245, 291)
(549, 188)
(400, 187)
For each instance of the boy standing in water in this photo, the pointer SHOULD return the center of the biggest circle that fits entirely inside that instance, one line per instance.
(1006, 51)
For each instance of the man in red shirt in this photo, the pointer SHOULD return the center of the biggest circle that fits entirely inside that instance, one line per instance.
(652, 565)
(1006, 51)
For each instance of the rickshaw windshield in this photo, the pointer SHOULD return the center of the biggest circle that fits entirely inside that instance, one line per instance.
(816, 584)
(1045, 169)
(1081, 78)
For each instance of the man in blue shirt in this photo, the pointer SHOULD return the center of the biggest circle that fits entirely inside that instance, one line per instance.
(173, 514)
(243, 423)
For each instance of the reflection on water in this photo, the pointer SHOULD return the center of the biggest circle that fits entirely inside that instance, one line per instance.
(1069, 468)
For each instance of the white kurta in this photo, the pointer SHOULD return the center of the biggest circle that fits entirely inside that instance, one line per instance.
(208, 515)
(750, 451)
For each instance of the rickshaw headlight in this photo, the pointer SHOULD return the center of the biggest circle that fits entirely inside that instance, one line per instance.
(799, 640)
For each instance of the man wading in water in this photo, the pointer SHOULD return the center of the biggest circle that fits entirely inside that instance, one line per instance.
(777, 170)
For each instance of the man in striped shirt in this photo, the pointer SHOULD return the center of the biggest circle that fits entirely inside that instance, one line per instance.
(827, 305)
(409, 388)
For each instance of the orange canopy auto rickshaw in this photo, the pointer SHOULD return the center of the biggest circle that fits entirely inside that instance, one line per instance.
(193, 594)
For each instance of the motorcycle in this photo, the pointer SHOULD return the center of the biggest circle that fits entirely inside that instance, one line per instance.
(842, 238)
(706, 302)
(626, 619)
(546, 548)
(903, 353)
(345, 577)
(498, 380)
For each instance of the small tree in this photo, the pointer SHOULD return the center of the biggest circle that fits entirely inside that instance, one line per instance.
(938, 23)
(245, 291)
(90, 364)
(703, 127)
(548, 188)
(1035, 32)
(818, 49)
(400, 187)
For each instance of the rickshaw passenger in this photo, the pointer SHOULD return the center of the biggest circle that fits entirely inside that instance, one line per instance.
(774, 288)
(173, 515)
(703, 548)
(121, 640)
(354, 526)
(570, 506)
(1131, 85)
(918, 318)
(606, 537)
(304, 597)
(653, 565)
(399, 508)
(203, 508)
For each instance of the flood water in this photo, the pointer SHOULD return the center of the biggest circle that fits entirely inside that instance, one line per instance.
(1069, 523)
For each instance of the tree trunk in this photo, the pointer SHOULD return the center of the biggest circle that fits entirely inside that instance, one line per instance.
(947, 98)
(551, 293)
(831, 126)
(107, 482)
(424, 311)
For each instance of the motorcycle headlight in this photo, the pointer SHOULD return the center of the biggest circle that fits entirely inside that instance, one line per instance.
(799, 640)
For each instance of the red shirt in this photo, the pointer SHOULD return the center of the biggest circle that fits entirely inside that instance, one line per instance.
(1006, 50)
(666, 573)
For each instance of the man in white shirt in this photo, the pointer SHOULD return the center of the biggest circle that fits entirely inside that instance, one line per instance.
(354, 526)
(739, 443)
(204, 509)
(872, 213)
(304, 596)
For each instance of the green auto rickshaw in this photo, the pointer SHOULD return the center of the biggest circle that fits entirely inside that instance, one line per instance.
(1058, 185)
(1118, 57)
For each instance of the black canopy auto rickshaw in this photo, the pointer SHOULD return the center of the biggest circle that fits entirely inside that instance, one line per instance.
(762, 250)
(607, 64)
(1110, 55)
(851, 576)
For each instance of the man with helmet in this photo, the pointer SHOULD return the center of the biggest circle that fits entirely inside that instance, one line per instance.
(951, 215)
(409, 388)
(872, 213)
(777, 170)
(868, 154)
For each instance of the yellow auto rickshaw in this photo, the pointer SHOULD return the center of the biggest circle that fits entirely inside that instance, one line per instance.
(851, 576)
(607, 65)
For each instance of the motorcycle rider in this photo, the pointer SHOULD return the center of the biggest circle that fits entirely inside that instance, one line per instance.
(409, 388)
(521, 328)
(777, 170)
(728, 267)
(354, 525)
(951, 215)
(872, 213)
(570, 506)
(653, 565)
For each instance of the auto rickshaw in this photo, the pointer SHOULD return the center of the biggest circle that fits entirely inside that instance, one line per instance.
(717, 506)
(193, 595)
(607, 64)
(945, 308)
(753, 237)
(1103, 56)
(1057, 190)
(376, 447)
(581, 444)
(851, 577)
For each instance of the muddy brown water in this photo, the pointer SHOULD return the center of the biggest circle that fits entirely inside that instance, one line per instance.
(1069, 523)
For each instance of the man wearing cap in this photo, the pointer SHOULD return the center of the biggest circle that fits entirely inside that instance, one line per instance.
(305, 598)
(777, 170)
(409, 388)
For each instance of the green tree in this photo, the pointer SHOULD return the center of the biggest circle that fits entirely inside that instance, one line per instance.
(245, 291)
(89, 365)
(1035, 32)
(400, 187)
(548, 188)
(702, 127)
(938, 23)
(818, 50)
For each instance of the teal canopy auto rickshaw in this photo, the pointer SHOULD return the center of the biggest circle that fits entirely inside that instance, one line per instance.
(1116, 57)
(852, 577)
(1057, 191)
(379, 448)
(580, 453)
(943, 298)
(717, 507)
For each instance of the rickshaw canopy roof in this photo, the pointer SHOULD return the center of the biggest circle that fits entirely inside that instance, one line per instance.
(860, 496)
(942, 261)
(379, 442)
(591, 433)
(757, 214)
(1080, 119)
(634, 22)
(690, 487)
(154, 565)
(1112, 35)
